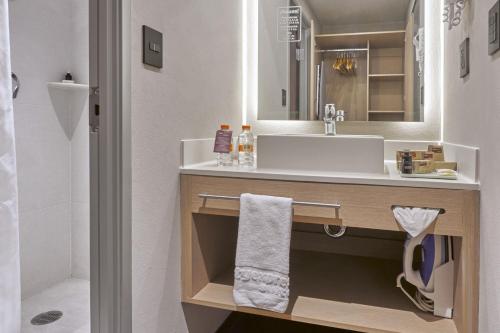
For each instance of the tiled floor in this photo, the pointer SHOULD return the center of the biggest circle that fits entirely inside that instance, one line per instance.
(72, 297)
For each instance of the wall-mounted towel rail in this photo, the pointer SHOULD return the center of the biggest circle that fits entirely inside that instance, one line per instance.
(327, 228)
(441, 210)
(296, 203)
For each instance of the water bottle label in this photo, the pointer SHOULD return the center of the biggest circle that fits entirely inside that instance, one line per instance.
(245, 148)
(223, 141)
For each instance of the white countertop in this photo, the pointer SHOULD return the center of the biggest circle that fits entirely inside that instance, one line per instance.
(390, 178)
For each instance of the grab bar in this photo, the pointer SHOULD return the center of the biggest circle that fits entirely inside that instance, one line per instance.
(340, 233)
(16, 84)
(441, 210)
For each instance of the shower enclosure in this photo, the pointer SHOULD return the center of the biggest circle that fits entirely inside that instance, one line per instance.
(70, 69)
(48, 40)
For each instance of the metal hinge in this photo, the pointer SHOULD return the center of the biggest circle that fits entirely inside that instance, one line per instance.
(94, 110)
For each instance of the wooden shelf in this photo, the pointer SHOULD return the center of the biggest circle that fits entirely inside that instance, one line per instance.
(380, 39)
(346, 292)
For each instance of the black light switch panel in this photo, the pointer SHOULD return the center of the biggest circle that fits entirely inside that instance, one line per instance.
(464, 58)
(494, 29)
(152, 47)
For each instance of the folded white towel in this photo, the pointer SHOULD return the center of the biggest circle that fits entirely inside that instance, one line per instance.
(263, 253)
(415, 220)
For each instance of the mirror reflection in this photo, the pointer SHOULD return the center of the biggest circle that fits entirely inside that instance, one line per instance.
(364, 60)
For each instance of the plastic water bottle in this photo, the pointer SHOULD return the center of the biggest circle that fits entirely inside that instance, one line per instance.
(246, 147)
(225, 159)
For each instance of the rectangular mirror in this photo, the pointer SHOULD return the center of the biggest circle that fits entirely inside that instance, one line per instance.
(365, 57)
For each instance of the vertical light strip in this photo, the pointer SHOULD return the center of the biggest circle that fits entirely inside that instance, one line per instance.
(244, 61)
(442, 74)
(255, 58)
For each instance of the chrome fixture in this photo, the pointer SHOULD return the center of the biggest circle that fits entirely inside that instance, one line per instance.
(15, 85)
(330, 120)
(297, 203)
(340, 233)
(327, 227)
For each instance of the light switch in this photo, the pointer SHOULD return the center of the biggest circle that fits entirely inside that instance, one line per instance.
(494, 29)
(152, 48)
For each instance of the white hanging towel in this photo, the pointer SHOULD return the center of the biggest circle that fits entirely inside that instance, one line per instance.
(415, 220)
(263, 253)
(10, 294)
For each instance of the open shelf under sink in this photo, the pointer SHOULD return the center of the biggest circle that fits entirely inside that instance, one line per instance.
(341, 291)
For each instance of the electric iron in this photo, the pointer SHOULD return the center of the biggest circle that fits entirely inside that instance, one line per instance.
(428, 265)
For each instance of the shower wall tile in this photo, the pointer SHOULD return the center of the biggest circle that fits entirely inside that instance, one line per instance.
(48, 39)
(80, 241)
(43, 158)
(39, 45)
(45, 248)
(80, 45)
(80, 167)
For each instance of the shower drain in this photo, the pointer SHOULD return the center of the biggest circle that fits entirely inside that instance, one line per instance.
(46, 318)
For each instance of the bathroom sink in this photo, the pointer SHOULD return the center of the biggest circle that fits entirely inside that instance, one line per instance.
(341, 153)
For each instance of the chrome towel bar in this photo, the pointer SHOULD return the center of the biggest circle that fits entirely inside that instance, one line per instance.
(296, 203)
(327, 228)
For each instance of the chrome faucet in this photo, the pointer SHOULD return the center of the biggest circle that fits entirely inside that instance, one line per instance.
(330, 120)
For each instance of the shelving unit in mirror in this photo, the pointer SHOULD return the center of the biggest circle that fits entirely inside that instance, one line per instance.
(381, 84)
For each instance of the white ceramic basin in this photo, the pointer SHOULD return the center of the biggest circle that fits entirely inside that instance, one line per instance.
(341, 153)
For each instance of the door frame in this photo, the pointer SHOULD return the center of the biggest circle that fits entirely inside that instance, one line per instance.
(110, 166)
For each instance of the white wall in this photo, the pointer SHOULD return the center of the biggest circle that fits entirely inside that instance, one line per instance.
(472, 117)
(273, 63)
(198, 88)
(80, 173)
(43, 150)
(42, 51)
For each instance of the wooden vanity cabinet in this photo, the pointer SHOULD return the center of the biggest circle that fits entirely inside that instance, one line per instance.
(351, 292)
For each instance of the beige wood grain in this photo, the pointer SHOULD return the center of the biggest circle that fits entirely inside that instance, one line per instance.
(213, 248)
(347, 92)
(386, 85)
(387, 95)
(366, 298)
(362, 206)
(296, 218)
(387, 61)
(466, 309)
(186, 232)
(338, 291)
(378, 39)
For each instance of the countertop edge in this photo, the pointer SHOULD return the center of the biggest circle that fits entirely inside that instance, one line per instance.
(382, 180)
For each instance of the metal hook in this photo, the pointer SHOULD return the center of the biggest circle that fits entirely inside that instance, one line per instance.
(339, 234)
